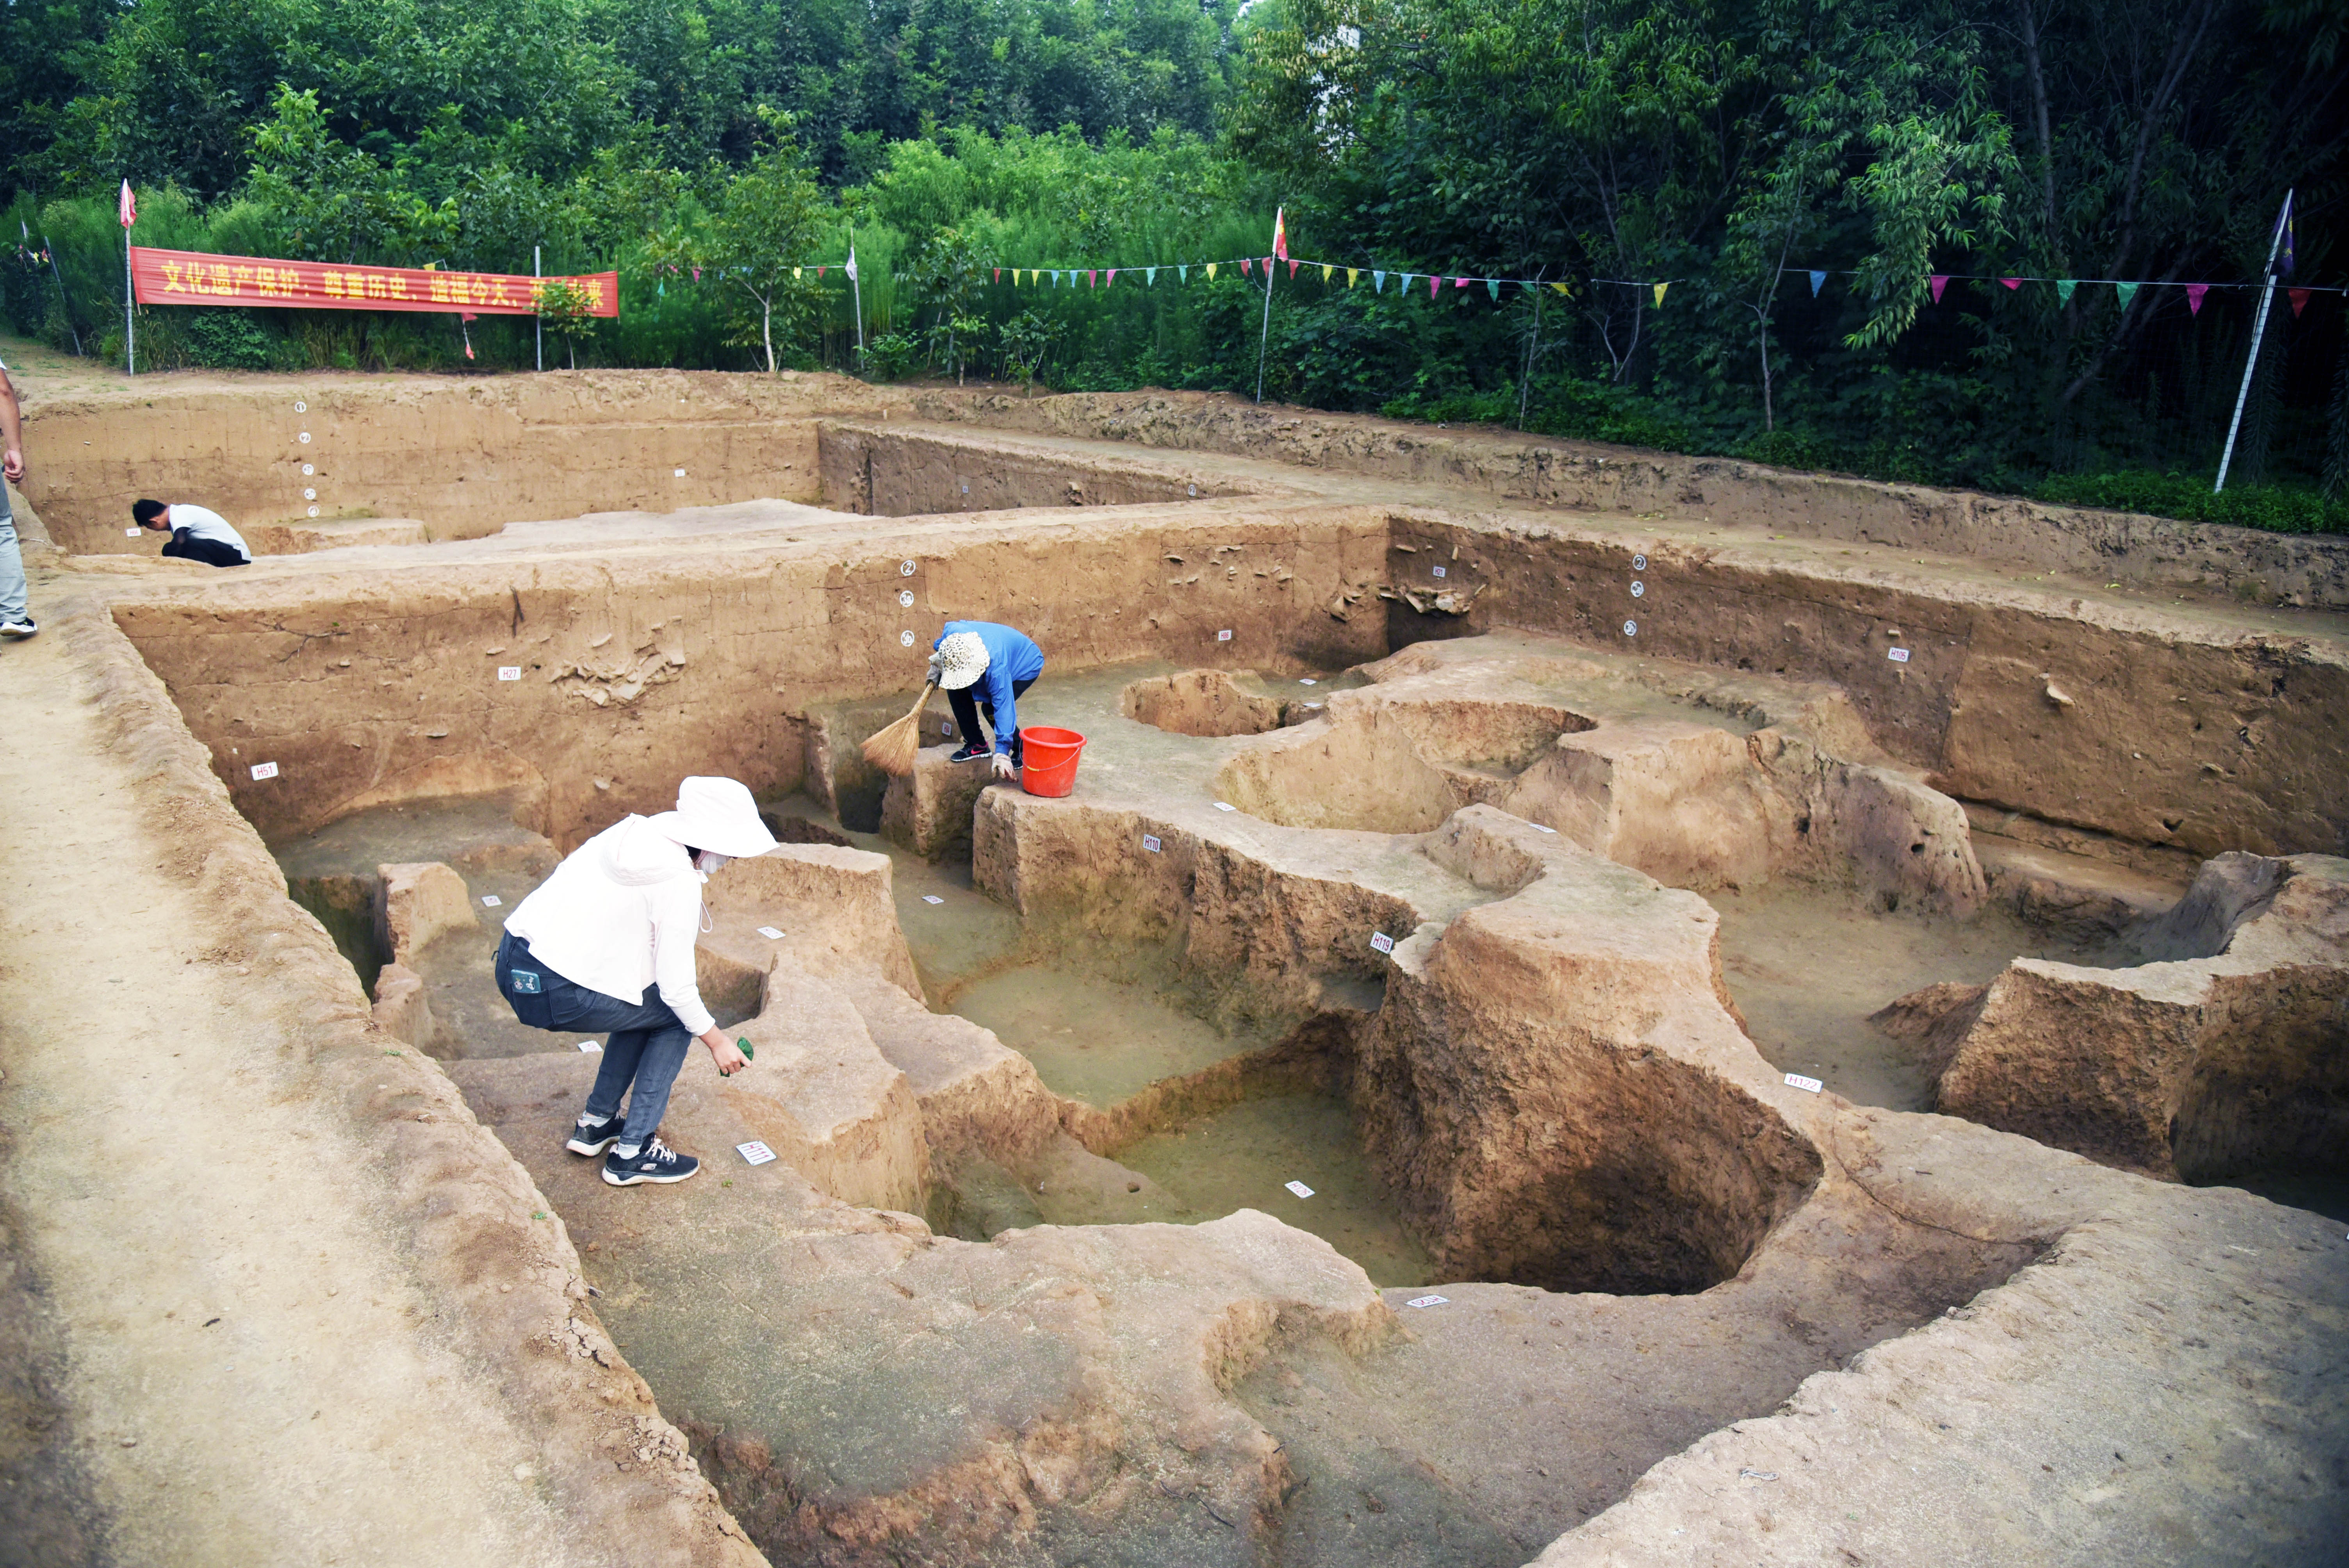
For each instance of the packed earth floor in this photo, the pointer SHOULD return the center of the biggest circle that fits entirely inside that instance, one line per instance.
(1584, 1007)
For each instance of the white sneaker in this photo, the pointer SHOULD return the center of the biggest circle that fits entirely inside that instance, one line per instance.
(23, 627)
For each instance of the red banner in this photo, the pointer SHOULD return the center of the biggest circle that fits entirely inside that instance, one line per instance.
(192, 277)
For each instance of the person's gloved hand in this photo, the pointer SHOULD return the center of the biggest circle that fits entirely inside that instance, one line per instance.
(1003, 768)
(934, 667)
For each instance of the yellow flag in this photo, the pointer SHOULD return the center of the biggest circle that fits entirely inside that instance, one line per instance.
(1211, 269)
(795, 272)
(1660, 291)
(1326, 271)
(1351, 274)
(1561, 288)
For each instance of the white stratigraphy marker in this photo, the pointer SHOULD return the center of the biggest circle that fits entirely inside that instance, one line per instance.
(756, 1153)
(905, 569)
(771, 934)
(590, 1045)
(490, 901)
(509, 672)
(932, 898)
(1306, 680)
(1631, 628)
(130, 533)
(1223, 637)
(904, 598)
(1299, 1188)
(1796, 1080)
(1382, 942)
(1638, 563)
(1427, 1301)
(905, 639)
(680, 473)
(264, 770)
(1897, 656)
(1150, 842)
(1225, 806)
(1439, 572)
(1541, 827)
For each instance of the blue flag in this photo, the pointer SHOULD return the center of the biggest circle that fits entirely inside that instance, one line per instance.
(1817, 279)
(1378, 282)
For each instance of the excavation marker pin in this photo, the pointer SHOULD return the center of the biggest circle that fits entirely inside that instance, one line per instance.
(1439, 572)
(1299, 1188)
(308, 470)
(1638, 590)
(932, 898)
(491, 900)
(756, 1153)
(264, 770)
(509, 672)
(1631, 628)
(1382, 942)
(771, 934)
(1638, 563)
(1897, 656)
(304, 437)
(309, 493)
(1150, 842)
(1428, 1301)
(590, 1045)
(1223, 637)
(300, 407)
(905, 639)
(314, 511)
(1796, 1080)
(906, 598)
(905, 569)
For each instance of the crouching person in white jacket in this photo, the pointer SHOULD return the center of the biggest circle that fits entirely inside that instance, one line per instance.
(606, 946)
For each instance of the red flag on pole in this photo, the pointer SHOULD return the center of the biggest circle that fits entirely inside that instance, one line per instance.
(1280, 237)
(129, 206)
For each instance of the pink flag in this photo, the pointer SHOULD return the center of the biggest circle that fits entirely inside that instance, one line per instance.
(2012, 283)
(2194, 292)
(1938, 280)
(2298, 298)
(1434, 283)
(1292, 267)
(1090, 275)
(999, 274)
(129, 206)
(819, 271)
(1110, 279)
(1245, 263)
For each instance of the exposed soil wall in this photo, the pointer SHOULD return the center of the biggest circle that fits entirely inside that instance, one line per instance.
(892, 474)
(464, 456)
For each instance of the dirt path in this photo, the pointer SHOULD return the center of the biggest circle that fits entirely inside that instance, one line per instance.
(229, 1344)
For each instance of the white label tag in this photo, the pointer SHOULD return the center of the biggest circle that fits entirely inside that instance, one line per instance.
(1796, 1080)
(130, 533)
(590, 1045)
(1897, 656)
(1223, 637)
(1150, 842)
(680, 473)
(509, 672)
(1225, 806)
(756, 1153)
(264, 770)
(1299, 1188)
(1382, 942)
(1542, 828)
(490, 901)
(932, 898)
(1427, 1301)
(1306, 680)
(771, 934)
(1439, 572)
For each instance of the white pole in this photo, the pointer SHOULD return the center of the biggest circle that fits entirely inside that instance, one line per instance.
(856, 286)
(1265, 335)
(2258, 330)
(129, 320)
(541, 322)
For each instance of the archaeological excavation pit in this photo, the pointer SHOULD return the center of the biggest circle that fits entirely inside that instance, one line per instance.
(1486, 1067)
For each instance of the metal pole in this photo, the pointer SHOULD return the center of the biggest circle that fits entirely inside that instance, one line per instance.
(65, 301)
(856, 286)
(2258, 330)
(1264, 336)
(129, 320)
(540, 323)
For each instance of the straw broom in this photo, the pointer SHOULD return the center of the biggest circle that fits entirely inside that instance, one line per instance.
(893, 749)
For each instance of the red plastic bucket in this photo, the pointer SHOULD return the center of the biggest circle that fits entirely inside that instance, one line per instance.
(1048, 759)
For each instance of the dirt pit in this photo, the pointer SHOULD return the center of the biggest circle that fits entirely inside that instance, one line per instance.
(1443, 1088)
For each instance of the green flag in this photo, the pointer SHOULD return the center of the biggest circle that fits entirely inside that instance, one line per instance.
(2127, 293)
(2064, 287)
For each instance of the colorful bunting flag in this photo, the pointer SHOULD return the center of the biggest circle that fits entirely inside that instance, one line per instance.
(2127, 293)
(819, 272)
(1459, 283)
(1938, 282)
(2064, 287)
(1210, 272)
(1110, 279)
(1819, 281)
(1351, 274)
(1091, 272)
(1292, 268)
(2012, 283)
(998, 275)
(2194, 292)
(1433, 283)
(1660, 291)
(1245, 263)
(1377, 280)
(2298, 298)
(1326, 270)
(797, 272)
(1150, 277)
(1492, 287)
(1183, 274)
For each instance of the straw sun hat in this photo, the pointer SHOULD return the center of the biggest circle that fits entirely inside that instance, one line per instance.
(717, 815)
(962, 659)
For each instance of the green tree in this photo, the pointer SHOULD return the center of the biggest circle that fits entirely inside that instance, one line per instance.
(760, 230)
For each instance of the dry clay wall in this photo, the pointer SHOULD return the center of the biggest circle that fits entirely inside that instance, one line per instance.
(464, 456)
(894, 474)
(2108, 546)
(636, 672)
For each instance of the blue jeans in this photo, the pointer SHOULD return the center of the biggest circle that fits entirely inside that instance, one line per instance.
(645, 1045)
(11, 566)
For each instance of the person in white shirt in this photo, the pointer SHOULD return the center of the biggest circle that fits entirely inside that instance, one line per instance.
(15, 618)
(606, 946)
(196, 533)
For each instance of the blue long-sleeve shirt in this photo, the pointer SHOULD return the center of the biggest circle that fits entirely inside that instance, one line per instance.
(1010, 656)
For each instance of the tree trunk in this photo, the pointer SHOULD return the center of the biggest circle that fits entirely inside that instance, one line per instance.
(767, 331)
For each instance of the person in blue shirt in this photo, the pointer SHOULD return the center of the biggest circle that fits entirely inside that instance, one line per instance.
(996, 664)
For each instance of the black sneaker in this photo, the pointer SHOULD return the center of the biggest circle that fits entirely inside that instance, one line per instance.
(971, 752)
(595, 1137)
(657, 1161)
(22, 626)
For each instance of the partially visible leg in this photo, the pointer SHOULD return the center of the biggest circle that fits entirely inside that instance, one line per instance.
(12, 570)
(965, 713)
(663, 1054)
(623, 1052)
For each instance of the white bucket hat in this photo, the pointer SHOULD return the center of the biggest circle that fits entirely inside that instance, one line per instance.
(962, 659)
(717, 815)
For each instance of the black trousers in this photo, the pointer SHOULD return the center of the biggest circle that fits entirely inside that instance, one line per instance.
(966, 710)
(186, 546)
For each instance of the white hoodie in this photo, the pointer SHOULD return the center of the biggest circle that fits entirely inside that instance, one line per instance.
(621, 912)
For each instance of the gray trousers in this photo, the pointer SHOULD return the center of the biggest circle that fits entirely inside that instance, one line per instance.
(12, 565)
